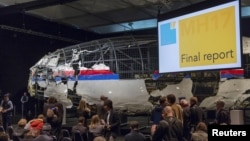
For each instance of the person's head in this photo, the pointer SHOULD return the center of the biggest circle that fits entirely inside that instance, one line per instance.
(103, 98)
(95, 120)
(184, 103)
(171, 99)
(108, 105)
(163, 100)
(41, 116)
(167, 112)
(81, 119)
(22, 122)
(52, 100)
(82, 104)
(201, 126)
(220, 105)
(134, 125)
(180, 98)
(193, 101)
(24, 93)
(6, 96)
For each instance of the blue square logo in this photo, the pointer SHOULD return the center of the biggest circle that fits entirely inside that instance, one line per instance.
(168, 34)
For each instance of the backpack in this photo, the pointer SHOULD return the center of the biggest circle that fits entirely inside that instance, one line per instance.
(168, 136)
(195, 112)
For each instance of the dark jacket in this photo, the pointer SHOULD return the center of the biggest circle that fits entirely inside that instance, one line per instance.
(196, 115)
(79, 127)
(114, 122)
(135, 136)
(156, 115)
(223, 116)
(169, 129)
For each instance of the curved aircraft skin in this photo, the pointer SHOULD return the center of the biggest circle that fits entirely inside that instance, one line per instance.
(119, 68)
(101, 67)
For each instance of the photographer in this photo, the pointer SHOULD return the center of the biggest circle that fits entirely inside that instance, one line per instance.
(51, 111)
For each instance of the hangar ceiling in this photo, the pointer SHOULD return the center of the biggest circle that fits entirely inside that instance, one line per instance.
(98, 16)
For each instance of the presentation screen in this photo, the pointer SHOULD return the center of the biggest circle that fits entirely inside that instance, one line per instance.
(203, 36)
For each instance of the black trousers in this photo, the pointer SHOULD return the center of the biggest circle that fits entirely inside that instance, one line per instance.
(7, 120)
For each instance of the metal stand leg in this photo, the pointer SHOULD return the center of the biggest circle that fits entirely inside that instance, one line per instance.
(22, 110)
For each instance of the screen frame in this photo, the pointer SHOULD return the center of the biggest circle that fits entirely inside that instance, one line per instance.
(196, 8)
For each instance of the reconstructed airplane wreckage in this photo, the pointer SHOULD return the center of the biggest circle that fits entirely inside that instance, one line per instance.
(111, 67)
(125, 69)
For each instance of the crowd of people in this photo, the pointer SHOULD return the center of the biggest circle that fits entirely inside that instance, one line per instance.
(170, 121)
(103, 124)
(183, 121)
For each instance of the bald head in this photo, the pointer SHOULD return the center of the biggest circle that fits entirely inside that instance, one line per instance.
(184, 103)
(167, 111)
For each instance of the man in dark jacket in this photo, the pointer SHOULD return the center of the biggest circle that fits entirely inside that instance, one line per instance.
(156, 114)
(112, 121)
(196, 113)
(134, 134)
(222, 115)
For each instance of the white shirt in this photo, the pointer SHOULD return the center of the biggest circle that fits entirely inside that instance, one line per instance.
(108, 117)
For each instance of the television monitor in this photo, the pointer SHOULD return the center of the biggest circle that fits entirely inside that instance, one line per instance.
(202, 36)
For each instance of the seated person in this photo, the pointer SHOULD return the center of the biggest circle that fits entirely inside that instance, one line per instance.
(80, 126)
(83, 110)
(35, 130)
(134, 134)
(39, 117)
(19, 130)
(200, 132)
(96, 128)
(53, 112)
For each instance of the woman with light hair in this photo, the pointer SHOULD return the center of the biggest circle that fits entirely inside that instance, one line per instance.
(178, 113)
(96, 129)
(83, 109)
(22, 122)
(19, 130)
